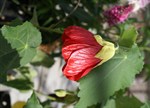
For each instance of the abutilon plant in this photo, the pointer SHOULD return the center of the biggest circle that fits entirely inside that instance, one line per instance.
(83, 51)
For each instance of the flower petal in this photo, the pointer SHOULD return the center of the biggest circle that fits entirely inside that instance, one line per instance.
(75, 34)
(81, 62)
(80, 75)
(69, 49)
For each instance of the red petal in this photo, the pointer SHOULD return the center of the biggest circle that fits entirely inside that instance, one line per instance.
(80, 75)
(81, 62)
(69, 49)
(79, 50)
(75, 34)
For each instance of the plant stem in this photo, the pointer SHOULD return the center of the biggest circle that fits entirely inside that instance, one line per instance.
(145, 48)
(49, 97)
(74, 9)
(3, 6)
(47, 29)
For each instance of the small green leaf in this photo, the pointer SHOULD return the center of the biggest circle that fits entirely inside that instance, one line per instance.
(24, 38)
(123, 102)
(34, 19)
(61, 93)
(128, 102)
(46, 104)
(15, 22)
(20, 84)
(43, 59)
(33, 102)
(48, 21)
(128, 36)
(146, 105)
(26, 72)
(103, 81)
(110, 104)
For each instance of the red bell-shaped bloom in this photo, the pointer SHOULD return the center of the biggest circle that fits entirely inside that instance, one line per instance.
(79, 52)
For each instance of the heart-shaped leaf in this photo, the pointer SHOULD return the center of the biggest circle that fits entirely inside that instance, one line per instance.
(24, 38)
(103, 81)
(17, 46)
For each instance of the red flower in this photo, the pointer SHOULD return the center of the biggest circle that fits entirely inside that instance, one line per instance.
(79, 52)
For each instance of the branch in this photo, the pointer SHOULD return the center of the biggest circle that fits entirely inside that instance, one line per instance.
(74, 9)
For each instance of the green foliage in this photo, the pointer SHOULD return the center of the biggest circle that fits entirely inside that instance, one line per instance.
(25, 72)
(19, 42)
(24, 38)
(46, 104)
(110, 104)
(146, 105)
(128, 37)
(118, 73)
(63, 96)
(17, 46)
(43, 59)
(80, 13)
(9, 58)
(33, 102)
(128, 102)
(22, 80)
(34, 19)
(16, 1)
(24, 76)
(24, 84)
(123, 102)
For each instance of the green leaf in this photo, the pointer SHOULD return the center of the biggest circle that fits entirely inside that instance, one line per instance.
(23, 79)
(128, 102)
(123, 102)
(110, 104)
(16, 1)
(16, 22)
(33, 102)
(17, 46)
(43, 59)
(9, 58)
(34, 19)
(24, 38)
(128, 37)
(96, 106)
(146, 105)
(20, 84)
(26, 72)
(46, 104)
(103, 81)
(60, 93)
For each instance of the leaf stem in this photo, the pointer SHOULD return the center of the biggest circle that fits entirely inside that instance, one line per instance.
(145, 48)
(47, 29)
(2, 9)
(49, 97)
